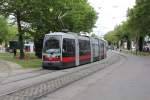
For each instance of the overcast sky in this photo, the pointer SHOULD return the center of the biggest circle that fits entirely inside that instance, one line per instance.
(111, 13)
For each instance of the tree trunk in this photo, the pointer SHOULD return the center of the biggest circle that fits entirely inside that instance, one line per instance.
(38, 43)
(21, 43)
(117, 45)
(128, 44)
(140, 43)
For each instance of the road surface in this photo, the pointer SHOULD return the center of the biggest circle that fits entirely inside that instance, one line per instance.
(128, 79)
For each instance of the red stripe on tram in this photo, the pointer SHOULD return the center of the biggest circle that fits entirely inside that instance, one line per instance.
(68, 59)
(45, 58)
(85, 57)
(72, 59)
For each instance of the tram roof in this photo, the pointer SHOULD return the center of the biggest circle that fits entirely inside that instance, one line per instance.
(57, 33)
(71, 34)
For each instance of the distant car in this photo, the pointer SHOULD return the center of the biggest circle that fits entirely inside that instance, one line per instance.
(9, 50)
(146, 48)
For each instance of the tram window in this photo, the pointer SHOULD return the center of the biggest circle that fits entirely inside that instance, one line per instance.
(84, 47)
(51, 45)
(68, 47)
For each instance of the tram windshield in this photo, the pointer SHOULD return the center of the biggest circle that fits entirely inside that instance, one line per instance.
(52, 46)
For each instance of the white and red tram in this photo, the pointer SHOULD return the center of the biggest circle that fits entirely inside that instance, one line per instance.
(64, 50)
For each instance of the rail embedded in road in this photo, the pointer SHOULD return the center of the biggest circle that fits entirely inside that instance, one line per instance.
(24, 76)
(41, 85)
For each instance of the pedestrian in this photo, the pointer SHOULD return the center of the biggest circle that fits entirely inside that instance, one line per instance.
(15, 52)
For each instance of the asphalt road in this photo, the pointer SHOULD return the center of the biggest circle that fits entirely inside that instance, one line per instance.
(128, 79)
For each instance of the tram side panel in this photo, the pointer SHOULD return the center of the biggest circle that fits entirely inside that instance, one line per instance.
(91, 39)
(77, 51)
(101, 49)
(95, 47)
(105, 50)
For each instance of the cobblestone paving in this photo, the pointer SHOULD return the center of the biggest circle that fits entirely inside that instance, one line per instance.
(40, 89)
(128, 80)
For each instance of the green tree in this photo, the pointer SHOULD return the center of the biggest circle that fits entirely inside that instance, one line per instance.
(7, 31)
(137, 26)
(120, 33)
(3, 29)
(12, 33)
(81, 17)
(55, 15)
(139, 21)
(39, 17)
(19, 10)
(125, 34)
(111, 37)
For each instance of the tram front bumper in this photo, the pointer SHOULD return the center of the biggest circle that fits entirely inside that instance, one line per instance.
(52, 65)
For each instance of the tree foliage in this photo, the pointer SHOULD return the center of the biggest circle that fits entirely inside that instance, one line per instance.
(3, 29)
(7, 31)
(140, 21)
(39, 17)
(137, 25)
(111, 37)
(18, 9)
(77, 15)
(55, 15)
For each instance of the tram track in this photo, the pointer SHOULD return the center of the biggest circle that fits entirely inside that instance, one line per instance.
(25, 75)
(48, 83)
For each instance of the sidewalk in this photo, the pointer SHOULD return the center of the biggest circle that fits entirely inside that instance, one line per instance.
(6, 68)
(127, 80)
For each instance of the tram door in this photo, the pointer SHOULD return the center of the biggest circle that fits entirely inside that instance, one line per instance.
(68, 52)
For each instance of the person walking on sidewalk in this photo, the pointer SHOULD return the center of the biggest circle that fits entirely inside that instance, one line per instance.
(15, 52)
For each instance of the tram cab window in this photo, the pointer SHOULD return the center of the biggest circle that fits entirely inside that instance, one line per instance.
(68, 47)
(52, 46)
